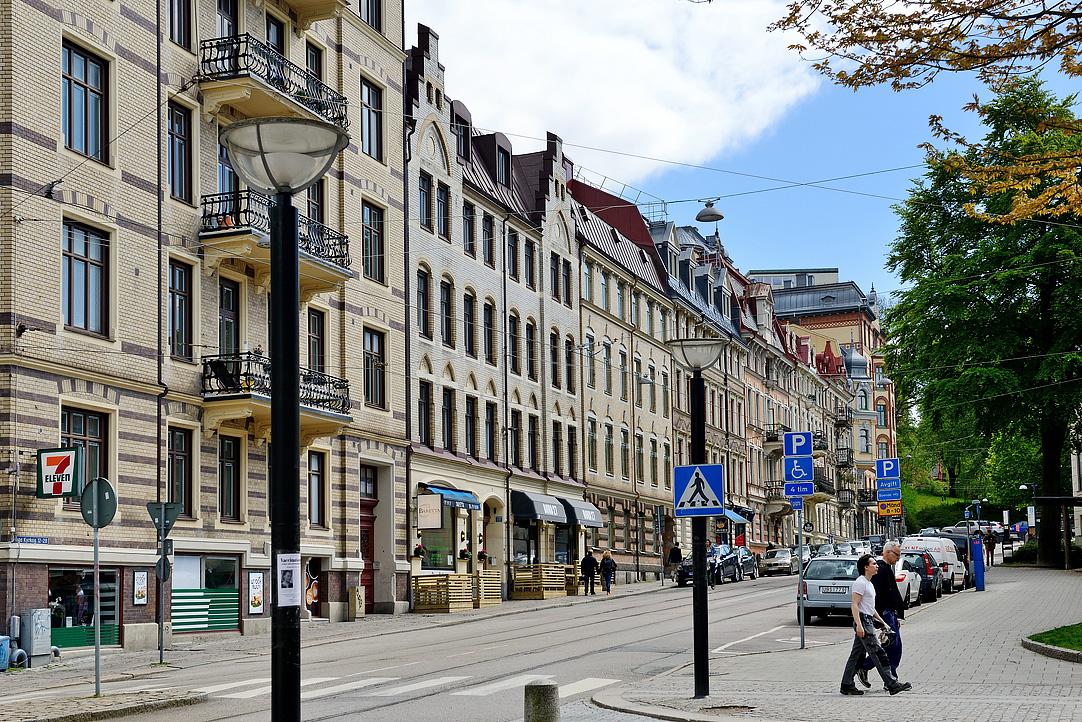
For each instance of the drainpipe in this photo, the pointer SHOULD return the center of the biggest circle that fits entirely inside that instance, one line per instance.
(506, 412)
(164, 389)
(635, 437)
(411, 128)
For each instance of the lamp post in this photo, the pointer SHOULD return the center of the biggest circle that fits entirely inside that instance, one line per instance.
(697, 354)
(281, 157)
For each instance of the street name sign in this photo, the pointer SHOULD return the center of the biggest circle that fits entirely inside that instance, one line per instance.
(888, 495)
(797, 503)
(800, 488)
(890, 508)
(887, 469)
(888, 484)
(699, 490)
(797, 443)
(797, 468)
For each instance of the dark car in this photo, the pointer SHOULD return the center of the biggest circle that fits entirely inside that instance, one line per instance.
(875, 541)
(720, 559)
(931, 582)
(961, 543)
(746, 564)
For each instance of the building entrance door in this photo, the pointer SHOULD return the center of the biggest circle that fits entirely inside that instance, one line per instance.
(368, 574)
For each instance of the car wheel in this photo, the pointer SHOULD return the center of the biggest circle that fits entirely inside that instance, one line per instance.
(950, 586)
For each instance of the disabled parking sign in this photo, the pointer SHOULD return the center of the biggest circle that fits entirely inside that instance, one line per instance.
(699, 490)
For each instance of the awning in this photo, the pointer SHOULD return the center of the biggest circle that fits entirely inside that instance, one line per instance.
(734, 517)
(528, 505)
(581, 512)
(456, 498)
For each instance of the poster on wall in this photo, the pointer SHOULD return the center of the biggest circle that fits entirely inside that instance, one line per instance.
(255, 592)
(429, 511)
(290, 583)
(140, 589)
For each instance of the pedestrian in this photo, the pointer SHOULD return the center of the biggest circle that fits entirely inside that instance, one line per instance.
(990, 547)
(675, 557)
(608, 571)
(889, 605)
(589, 571)
(713, 555)
(865, 641)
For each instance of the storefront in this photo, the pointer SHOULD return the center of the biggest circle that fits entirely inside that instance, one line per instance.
(445, 527)
(71, 606)
(205, 593)
(581, 515)
(734, 525)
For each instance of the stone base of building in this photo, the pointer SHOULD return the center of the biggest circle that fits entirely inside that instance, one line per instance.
(391, 608)
(252, 626)
(143, 637)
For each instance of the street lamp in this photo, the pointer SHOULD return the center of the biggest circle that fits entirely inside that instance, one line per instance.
(697, 354)
(709, 214)
(283, 156)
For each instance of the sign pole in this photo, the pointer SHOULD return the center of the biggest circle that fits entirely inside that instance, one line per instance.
(161, 585)
(800, 576)
(97, 599)
(699, 616)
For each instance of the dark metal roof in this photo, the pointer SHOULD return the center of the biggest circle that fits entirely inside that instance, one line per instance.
(617, 247)
(825, 298)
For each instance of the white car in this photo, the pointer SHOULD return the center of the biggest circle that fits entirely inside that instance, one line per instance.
(908, 583)
(945, 555)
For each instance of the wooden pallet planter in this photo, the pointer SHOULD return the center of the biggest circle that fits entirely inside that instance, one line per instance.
(442, 593)
(572, 580)
(539, 581)
(487, 588)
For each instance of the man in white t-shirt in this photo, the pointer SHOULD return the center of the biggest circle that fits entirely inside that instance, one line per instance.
(866, 642)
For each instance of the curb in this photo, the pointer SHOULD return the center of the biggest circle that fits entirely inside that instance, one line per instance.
(614, 700)
(1048, 650)
(123, 710)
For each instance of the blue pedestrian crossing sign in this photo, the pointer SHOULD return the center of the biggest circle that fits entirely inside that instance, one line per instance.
(699, 490)
(887, 469)
(797, 443)
(798, 468)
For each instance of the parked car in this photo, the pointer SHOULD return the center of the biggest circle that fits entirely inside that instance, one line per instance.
(828, 586)
(780, 561)
(931, 576)
(860, 546)
(961, 545)
(875, 541)
(844, 548)
(826, 550)
(722, 561)
(746, 565)
(908, 582)
(945, 555)
(928, 531)
(805, 553)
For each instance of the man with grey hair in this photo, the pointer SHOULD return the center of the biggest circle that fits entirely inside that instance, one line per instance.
(889, 604)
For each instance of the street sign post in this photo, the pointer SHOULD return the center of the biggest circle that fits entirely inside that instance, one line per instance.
(799, 474)
(801, 488)
(798, 468)
(699, 490)
(797, 443)
(808, 527)
(888, 483)
(164, 514)
(98, 507)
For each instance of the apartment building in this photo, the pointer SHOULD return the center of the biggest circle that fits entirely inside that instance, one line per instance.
(148, 350)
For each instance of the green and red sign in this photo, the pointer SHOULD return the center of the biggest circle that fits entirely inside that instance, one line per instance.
(60, 472)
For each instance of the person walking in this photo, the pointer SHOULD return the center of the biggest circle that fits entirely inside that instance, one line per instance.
(675, 557)
(589, 571)
(889, 605)
(865, 641)
(608, 571)
(990, 547)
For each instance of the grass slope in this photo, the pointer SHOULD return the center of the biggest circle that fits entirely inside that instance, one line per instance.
(1069, 637)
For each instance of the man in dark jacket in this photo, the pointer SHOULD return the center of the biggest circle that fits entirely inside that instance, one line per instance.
(675, 557)
(889, 604)
(589, 571)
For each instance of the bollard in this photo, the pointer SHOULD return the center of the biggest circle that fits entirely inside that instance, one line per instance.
(541, 702)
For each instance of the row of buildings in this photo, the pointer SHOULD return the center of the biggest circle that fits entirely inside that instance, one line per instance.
(486, 377)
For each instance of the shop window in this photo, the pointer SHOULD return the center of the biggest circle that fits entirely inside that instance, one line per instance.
(564, 552)
(524, 542)
(71, 606)
(439, 544)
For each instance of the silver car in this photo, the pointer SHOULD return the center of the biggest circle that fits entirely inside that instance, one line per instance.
(780, 561)
(828, 586)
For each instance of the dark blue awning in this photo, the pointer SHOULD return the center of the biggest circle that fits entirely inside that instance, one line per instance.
(531, 505)
(734, 517)
(456, 498)
(582, 512)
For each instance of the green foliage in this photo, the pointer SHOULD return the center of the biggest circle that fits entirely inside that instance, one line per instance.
(1069, 637)
(1028, 554)
(1013, 459)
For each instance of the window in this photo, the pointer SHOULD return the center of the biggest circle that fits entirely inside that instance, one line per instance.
(424, 413)
(653, 462)
(635, 310)
(84, 103)
(462, 136)
(667, 468)
(490, 332)
(665, 394)
(605, 290)
(471, 426)
(488, 240)
(180, 152)
(469, 230)
(229, 478)
(317, 462)
(372, 122)
(609, 451)
(512, 253)
(372, 13)
(469, 323)
(447, 311)
(447, 420)
(424, 314)
(865, 442)
(375, 385)
(557, 447)
(276, 34)
(85, 279)
(591, 363)
(862, 400)
(638, 383)
(372, 241)
(503, 167)
(625, 453)
(572, 455)
(554, 358)
(513, 340)
(491, 431)
(533, 441)
(567, 282)
(554, 276)
(591, 444)
(317, 354)
(880, 414)
(227, 18)
(664, 320)
(650, 318)
(180, 469)
(313, 60)
(228, 316)
(606, 359)
(531, 350)
(623, 375)
(653, 389)
(528, 263)
(515, 438)
(881, 450)
(88, 431)
(621, 291)
(587, 282)
(443, 211)
(180, 310)
(180, 22)
(424, 200)
(640, 468)
(315, 207)
(367, 479)
(569, 365)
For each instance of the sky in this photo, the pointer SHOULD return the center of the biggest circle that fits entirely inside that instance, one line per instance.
(706, 88)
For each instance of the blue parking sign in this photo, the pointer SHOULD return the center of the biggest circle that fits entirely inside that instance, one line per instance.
(797, 443)
(887, 469)
(797, 503)
(797, 468)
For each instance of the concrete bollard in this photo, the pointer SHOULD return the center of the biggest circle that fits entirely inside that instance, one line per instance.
(541, 702)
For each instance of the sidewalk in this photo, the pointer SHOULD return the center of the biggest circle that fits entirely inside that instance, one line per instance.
(77, 667)
(962, 654)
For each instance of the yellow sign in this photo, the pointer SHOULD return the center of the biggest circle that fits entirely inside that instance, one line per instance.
(890, 508)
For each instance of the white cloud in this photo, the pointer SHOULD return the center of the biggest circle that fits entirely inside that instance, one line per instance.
(661, 78)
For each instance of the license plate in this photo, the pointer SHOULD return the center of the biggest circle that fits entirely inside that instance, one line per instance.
(833, 590)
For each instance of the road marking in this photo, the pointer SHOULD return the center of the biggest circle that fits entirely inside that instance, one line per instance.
(347, 687)
(463, 654)
(248, 694)
(487, 689)
(494, 646)
(438, 681)
(585, 685)
(382, 669)
(797, 639)
(230, 685)
(723, 647)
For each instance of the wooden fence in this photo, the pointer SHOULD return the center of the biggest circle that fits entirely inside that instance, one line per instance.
(539, 581)
(457, 592)
(487, 588)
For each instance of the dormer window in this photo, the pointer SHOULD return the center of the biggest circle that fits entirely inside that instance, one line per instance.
(461, 128)
(503, 167)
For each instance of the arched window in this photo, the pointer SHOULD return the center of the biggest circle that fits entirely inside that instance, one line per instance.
(862, 400)
(865, 441)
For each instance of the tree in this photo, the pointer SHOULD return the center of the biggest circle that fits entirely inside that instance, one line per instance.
(862, 43)
(1013, 459)
(991, 323)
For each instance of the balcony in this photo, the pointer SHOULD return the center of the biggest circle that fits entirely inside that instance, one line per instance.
(843, 416)
(843, 457)
(772, 440)
(308, 11)
(866, 497)
(776, 502)
(237, 387)
(253, 78)
(237, 226)
(820, 447)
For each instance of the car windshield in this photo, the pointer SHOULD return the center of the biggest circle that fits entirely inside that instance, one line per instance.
(826, 549)
(778, 554)
(833, 569)
(724, 550)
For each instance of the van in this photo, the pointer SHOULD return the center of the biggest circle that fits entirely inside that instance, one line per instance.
(945, 555)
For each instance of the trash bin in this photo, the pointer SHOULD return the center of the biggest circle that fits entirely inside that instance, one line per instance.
(5, 653)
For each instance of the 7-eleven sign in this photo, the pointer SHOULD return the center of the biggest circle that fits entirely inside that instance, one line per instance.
(60, 472)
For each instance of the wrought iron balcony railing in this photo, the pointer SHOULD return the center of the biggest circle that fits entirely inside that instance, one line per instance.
(866, 497)
(248, 209)
(239, 56)
(774, 432)
(250, 373)
(843, 456)
(843, 416)
(775, 490)
(824, 485)
(819, 442)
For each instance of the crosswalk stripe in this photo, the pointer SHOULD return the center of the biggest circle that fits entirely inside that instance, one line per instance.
(347, 687)
(230, 685)
(248, 694)
(487, 689)
(415, 686)
(585, 685)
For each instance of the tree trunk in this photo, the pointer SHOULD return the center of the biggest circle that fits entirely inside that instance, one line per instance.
(1053, 438)
(952, 480)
